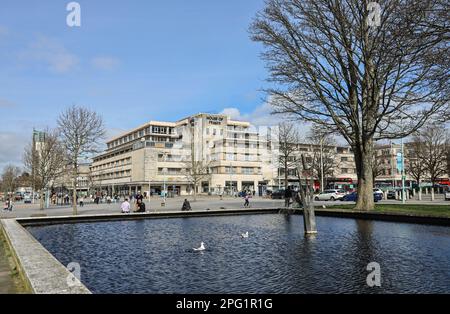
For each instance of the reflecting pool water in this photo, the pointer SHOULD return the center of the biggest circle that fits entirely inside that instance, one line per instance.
(156, 255)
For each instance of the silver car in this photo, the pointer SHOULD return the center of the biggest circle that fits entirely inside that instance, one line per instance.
(330, 195)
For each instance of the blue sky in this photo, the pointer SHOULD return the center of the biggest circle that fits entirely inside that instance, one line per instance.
(132, 61)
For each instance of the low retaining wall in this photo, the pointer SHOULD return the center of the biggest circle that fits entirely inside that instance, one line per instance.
(43, 273)
(383, 216)
(36, 221)
(40, 271)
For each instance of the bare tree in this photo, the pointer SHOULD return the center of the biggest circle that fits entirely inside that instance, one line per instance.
(323, 158)
(416, 167)
(378, 167)
(288, 148)
(46, 160)
(196, 172)
(431, 152)
(9, 179)
(340, 68)
(81, 131)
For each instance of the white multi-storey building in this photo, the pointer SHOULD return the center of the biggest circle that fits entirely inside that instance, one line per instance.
(157, 154)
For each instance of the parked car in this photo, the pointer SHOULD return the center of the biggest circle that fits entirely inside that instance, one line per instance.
(378, 191)
(390, 194)
(27, 199)
(447, 194)
(330, 195)
(353, 197)
(277, 194)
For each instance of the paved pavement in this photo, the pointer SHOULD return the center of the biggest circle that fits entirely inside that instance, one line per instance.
(174, 204)
(7, 284)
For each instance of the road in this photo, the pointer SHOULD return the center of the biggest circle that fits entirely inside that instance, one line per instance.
(174, 204)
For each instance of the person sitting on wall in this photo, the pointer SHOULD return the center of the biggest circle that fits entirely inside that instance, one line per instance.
(186, 205)
(125, 207)
(140, 207)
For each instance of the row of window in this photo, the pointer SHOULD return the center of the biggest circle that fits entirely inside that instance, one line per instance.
(141, 133)
(117, 163)
(215, 170)
(112, 175)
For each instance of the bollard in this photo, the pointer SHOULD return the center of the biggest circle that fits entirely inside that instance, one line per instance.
(420, 194)
(432, 194)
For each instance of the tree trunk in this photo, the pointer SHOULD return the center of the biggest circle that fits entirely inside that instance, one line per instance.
(286, 183)
(41, 201)
(74, 196)
(364, 169)
(195, 192)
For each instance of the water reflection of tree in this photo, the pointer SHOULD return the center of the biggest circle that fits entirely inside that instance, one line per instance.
(365, 251)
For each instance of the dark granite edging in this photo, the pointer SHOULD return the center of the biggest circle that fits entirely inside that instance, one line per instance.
(385, 216)
(40, 271)
(338, 213)
(36, 221)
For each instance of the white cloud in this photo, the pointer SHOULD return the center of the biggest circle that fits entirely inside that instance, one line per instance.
(260, 116)
(51, 54)
(11, 148)
(4, 103)
(105, 63)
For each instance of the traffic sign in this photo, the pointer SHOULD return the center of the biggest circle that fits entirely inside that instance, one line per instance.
(399, 162)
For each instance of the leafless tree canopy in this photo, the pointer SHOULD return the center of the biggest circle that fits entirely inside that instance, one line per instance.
(323, 153)
(288, 157)
(9, 178)
(45, 160)
(429, 147)
(336, 69)
(196, 172)
(81, 132)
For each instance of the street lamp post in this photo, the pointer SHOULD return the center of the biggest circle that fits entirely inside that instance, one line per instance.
(149, 183)
(402, 164)
(164, 180)
(403, 172)
(321, 163)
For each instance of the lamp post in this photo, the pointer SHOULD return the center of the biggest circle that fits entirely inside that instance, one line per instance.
(145, 159)
(164, 178)
(321, 163)
(403, 172)
(402, 164)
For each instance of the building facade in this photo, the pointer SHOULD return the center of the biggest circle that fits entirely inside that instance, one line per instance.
(157, 157)
(229, 155)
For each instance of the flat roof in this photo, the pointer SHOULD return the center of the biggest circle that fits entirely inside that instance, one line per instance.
(146, 125)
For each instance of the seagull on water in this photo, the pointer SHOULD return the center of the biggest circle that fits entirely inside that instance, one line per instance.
(245, 235)
(201, 248)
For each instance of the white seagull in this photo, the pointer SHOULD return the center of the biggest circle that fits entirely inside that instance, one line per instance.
(201, 248)
(244, 235)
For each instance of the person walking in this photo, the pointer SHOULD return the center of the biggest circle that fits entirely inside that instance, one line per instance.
(7, 204)
(81, 200)
(287, 197)
(125, 207)
(247, 200)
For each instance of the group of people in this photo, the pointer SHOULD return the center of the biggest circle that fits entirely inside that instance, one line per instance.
(8, 205)
(139, 204)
